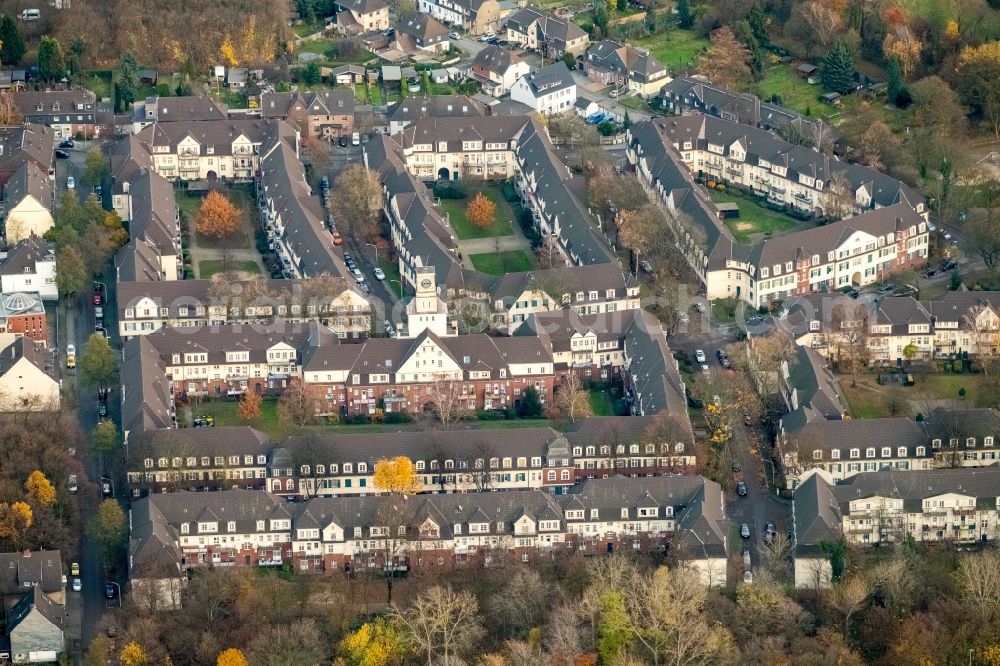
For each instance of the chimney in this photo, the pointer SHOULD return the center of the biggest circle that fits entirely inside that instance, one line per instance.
(27, 552)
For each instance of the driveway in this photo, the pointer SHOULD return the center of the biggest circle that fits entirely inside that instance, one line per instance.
(599, 93)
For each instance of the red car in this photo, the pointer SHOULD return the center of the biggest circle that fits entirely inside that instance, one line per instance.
(97, 299)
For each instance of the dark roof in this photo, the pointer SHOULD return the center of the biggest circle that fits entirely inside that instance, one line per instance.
(816, 516)
(23, 256)
(40, 568)
(35, 600)
(26, 348)
(814, 384)
(184, 109)
(496, 59)
(439, 106)
(423, 28)
(550, 79)
(913, 486)
(146, 399)
(555, 30)
(958, 306)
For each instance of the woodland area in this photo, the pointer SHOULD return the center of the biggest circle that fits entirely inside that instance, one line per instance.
(901, 607)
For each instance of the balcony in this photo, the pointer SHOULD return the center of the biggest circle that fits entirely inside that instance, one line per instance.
(777, 190)
(801, 196)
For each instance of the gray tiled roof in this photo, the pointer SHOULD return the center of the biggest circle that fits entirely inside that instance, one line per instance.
(815, 385)
(146, 398)
(550, 79)
(496, 59)
(915, 485)
(21, 258)
(438, 106)
(423, 28)
(958, 306)
(816, 516)
(656, 380)
(40, 568)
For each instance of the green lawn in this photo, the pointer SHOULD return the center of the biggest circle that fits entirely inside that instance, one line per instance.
(465, 229)
(793, 90)
(600, 403)
(391, 270)
(865, 400)
(945, 386)
(513, 261)
(210, 267)
(754, 218)
(320, 46)
(676, 48)
(304, 29)
(634, 103)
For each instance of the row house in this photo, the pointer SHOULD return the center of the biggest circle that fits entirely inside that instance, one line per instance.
(225, 150)
(888, 234)
(896, 328)
(153, 252)
(461, 148)
(227, 361)
(67, 112)
(946, 505)
(189, 109)
(452, 376)
(145, 307)
(412, 109)
(630, 69)
(840, 449)
(325, 114)
(474, 16)
(211, 459)
(532, 28)
(433, 532)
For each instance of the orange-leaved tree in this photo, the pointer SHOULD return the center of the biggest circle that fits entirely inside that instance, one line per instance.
(397, 476)
(132, 654)
(231, 657)
(40, 488)
(480, 210)
(250, 406)
(217, 216)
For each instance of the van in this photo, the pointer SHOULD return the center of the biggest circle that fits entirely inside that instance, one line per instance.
(31, 15)
(99, 313)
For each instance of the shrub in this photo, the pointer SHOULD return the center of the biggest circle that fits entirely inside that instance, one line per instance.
(491, 415)
(358, 419)
(397, 417)
(509, 193)
(448, 191)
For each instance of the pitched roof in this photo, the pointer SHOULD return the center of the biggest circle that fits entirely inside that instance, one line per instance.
(35, 600)
(913, 486)
(29, 350)
(39, 568)
(549, 79)
(29, 179)
(496, 59)
(438, 106)
(423, 28)
(25, 254)
(816, 516)
(197, 108)
(147, 403)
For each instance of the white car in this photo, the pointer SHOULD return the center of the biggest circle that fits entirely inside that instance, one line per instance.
(70, 183)
(699, 355)
(77, 585)
(454, 35)
(613, 93)
(947, 236)
(379, 274)
(705, 370)
(70, 350)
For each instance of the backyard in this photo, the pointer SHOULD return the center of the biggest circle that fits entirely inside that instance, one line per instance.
(209, 267)
(754, 220)
(241, 198)
(464, 228)
(795, 93)
(869, 400)
(675, 48)
(493, 263)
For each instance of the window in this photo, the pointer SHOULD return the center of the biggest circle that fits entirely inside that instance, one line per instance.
(835, 454)
(855, 453)
(901, 452)
(817, 454)
(936, 443)
(970, 442)
(886, 452)
(870, 452)
(921, 451)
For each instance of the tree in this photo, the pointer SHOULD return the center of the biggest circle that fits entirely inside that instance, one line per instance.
(15, 519)
(228, 52)
(570, 60)
(127, 83)
(12, 46)
(98, 365)
(40, 489)
(573, 398)
(936, 106)
(726, 61)
(51, 63)
(548, 253)
(815, 24)
(317, 151)
(977, 79)
(481, 210)
(132, 654)
(397, 476)
(377, 643)
(311, 74)
(531, 404)
(100, 651)
(250, 406)
(356, 200)
(109, 530)
(217, 217)
(442, 624)
(880, 147)
(447, 402)
(894, 81)
(231, 657)
(521, 605)
(613, 635)
(571, 130)
(982, 237)
(299, 404)
(901, 44)
(95, 168)
(684, 17)
(838, 68)
(979, 581)
(9, 115)
(104, 437)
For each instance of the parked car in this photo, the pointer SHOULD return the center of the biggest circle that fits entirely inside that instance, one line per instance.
(704, 370)
(70, 183)
(77, 585)
(62, 155)
(949, 265)
(106, 488)
(646, 266)
(699, 355)
(337, 238)
(97, 299)
(613, 93)
(454, 35)
(888, 286)
(356, 139)
(71, 483)
(379, 274)
(342, 141)
(68, 143)
(930, 272)
(109, 590)
(741, 489)
(102, 410)
(744, 530)
(74, 569)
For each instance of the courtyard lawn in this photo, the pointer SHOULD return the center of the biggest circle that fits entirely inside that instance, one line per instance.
(306, 29)
(240, 197)
(793, 90)
(210, 267)
(512, 261)
(675, 48)
(754, 218)
(865, 400)
(634, 103)
(465, 229)
(600, 402)
(226, 413)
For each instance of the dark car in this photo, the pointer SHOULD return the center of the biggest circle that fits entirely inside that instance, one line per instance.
(109, 590)
(342, 141)
(949, 265)
(741, 489)
(68, 143)
(102, 410)
(930, 272)
(62, 155)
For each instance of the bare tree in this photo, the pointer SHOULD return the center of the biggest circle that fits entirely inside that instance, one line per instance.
(442, 624)
(521, 604)
(979, 580)
(394, 521)
(299, 404)
(482, 475)
(448, 401)
(573, 398)
(852, 342)
(840, 199)
(549, 254)
(357, 199)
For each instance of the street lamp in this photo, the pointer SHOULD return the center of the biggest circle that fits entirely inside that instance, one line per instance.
(372, 245)
(771, 463)
(400, 286)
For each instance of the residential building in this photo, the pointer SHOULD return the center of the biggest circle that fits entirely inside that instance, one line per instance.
(67, 112)
(586, 344)
(198, 108)
(807, 384)
(23, 314)
(889, 232)
(211, 150)
(497, 70)
(842, 449)
(630, 69)
(453, 376)
(146, 401)
(30, 266)
(355, 17)
(26, 376)
(964, 322)
(325, 114)
(549, 90)
(532, 28)
(437, 532)
(694, 94)
(474, 16)
(943, 505)
(424, 32)
(145, 307)
(412, 109)
(31, 603)
(28, 199)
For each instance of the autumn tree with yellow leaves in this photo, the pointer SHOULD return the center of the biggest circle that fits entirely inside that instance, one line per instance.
(15, 519)
(481, 210)
(132, 654)
(40, 489)
(217, 217)
(397, 476)
(378, 643)
(231, 657)
(250, 406)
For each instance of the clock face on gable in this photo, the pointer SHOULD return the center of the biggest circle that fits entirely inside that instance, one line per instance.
(425, 283)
